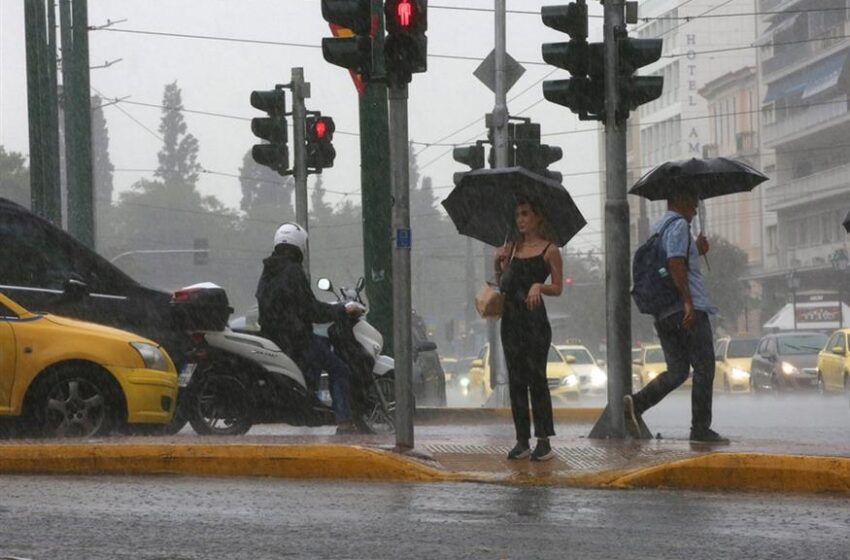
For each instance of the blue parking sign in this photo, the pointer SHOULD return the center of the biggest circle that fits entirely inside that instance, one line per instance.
(403, 238)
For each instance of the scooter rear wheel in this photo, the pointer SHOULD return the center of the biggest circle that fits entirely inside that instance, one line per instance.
(220, 407)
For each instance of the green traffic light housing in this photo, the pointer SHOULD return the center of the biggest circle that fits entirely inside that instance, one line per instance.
(352, 14)
(567, 18)
(353, 52)
(473, 156)
(638, 90)
(582, 96)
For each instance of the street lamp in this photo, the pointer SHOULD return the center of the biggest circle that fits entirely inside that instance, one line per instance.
(840, 261)
(793, 282)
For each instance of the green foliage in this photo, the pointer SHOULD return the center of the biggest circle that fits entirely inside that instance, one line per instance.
(723, 282)
(178, 158)
(14, 177)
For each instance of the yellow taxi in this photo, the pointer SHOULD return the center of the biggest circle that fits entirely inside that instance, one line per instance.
(734, 356)
(648, 363)
(69, 378)
(563, 382)
(834, 364)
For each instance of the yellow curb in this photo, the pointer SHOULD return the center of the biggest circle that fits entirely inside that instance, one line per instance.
(284, 461)
(746, 472)
(435, 415)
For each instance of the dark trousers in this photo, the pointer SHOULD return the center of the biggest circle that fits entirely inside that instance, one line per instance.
(526, 351)
(320, 357)
(683, 349)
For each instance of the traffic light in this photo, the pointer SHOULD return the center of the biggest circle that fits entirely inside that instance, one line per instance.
(406, 46)
(274, 154)
(353, 52)
(584, 92)
(473, 156)
(533, 155)
(320, 135)
(637, 90)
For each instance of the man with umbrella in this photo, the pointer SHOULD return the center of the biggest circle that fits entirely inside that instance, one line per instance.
(684, 328)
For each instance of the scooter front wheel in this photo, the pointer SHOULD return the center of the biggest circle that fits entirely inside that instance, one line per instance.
(220, 406)
(379, 414)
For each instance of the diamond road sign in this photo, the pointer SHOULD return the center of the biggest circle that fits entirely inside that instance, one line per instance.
(486, 71)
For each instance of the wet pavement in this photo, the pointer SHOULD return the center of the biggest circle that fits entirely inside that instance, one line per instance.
(187, 518)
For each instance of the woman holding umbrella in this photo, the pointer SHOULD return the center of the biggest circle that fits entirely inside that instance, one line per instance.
(529, 268)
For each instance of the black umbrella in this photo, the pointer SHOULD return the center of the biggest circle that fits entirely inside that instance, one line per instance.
(709, 177)
(482, 206)
(847, 222)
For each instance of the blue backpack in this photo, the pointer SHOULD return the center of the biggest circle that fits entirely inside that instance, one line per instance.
(654, 291)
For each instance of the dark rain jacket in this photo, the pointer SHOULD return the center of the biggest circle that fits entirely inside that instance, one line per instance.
(287, 306)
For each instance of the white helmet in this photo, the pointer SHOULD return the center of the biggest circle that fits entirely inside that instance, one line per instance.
(291, 234)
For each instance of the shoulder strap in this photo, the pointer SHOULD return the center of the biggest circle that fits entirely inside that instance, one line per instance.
(660, 232)
(546, 248)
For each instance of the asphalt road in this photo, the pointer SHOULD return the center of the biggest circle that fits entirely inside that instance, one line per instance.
(193, 518)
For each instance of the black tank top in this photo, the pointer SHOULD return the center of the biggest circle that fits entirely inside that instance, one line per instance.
(518, 278)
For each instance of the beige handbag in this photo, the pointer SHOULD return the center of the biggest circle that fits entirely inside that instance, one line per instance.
(489, 301)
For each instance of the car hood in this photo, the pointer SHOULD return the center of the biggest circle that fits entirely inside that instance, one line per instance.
(585, 369)
(554, 369)
(95, 329)
(801, 361)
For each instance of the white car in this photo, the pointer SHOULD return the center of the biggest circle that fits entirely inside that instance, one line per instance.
(592, 380)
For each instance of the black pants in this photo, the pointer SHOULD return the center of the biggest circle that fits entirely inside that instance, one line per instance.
(684, 348)
(526, 346)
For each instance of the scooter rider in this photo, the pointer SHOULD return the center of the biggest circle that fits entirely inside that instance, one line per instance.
(287, 310)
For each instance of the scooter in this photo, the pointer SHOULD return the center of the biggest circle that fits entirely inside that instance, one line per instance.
(359, 345)
(235, 379)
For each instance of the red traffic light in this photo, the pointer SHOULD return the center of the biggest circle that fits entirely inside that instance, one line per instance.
(404, 13)
(320, 129)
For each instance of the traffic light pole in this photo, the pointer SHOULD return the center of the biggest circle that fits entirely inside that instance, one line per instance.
(498, 373)
(300, 91)
(617, 259)
(399, 167)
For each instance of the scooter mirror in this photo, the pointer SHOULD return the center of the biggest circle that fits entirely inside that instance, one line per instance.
(360, 284)
(324, 284)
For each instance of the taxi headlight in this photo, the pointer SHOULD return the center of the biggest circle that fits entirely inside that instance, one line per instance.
(789, 369)
(152, 356)
(464, 382)
(598, 378)
(651, 375)
(740, 374)
(569, 380)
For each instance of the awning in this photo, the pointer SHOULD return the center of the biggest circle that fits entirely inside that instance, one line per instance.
(810, 316)
(809, 81)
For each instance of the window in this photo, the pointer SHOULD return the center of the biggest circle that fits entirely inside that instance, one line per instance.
(554, 356)
(720, 351)
(801, 344)
(655, 356)
(38, 259)
(6, 312)
(742, 348)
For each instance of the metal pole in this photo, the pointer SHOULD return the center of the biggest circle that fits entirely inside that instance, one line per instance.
(43, 110)
(77, 113)
(399, 167)
(300, 91)
(498, 373)
(617, 275)
(376, 193)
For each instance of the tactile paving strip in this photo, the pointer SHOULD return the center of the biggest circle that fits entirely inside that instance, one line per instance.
(493, 458)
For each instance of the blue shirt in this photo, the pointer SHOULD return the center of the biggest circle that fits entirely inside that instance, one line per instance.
(675, 242)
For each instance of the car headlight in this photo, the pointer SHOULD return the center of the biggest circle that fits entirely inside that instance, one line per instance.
(651, 375)
(598, 378)
(153, 357)
(738, 373)
(570, 380)
(789, 369)
(464, 382)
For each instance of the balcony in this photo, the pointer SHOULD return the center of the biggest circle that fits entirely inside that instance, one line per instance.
(805, 190)
(746, 143)
(804, 120)
(789, 57)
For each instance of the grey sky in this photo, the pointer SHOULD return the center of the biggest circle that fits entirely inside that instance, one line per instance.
(217, 77)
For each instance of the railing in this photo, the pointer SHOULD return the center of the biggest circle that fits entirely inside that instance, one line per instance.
(799, 119)
(805, 189)
(792, 54)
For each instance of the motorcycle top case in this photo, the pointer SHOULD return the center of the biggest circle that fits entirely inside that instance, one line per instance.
(201, 308)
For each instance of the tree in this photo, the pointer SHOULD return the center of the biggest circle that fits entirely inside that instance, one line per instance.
(264, 191)
(178, 158)
(321, 213)
(723, 280)
(14, 177)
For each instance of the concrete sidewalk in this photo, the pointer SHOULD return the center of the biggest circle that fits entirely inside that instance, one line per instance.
(742, 466)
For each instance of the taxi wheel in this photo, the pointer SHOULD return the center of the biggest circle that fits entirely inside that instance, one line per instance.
(74, 402)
